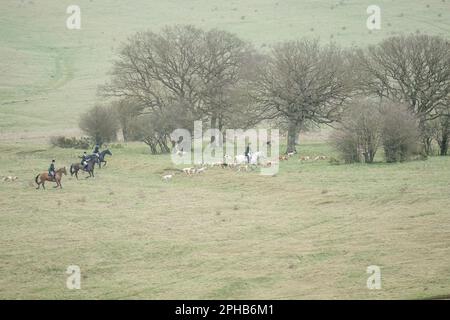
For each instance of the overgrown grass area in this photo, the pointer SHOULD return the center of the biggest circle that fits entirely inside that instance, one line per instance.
(308, 232)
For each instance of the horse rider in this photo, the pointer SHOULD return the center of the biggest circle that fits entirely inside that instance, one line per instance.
(84, 160)
(51, 170)
(97, 150)
(247, 152)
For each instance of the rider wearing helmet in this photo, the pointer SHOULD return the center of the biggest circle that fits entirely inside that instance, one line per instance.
(247, 152)
(51, 170)
(84, 159)
(96, 150)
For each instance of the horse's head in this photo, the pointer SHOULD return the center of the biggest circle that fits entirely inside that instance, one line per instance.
(108, 152)
(63, 171)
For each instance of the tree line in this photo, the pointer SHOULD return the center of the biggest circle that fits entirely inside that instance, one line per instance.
(167, 80)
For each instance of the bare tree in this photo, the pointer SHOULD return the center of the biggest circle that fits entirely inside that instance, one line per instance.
(184, 66)
(159, 70)
(223, 66)
(412, 69)
(303, 81)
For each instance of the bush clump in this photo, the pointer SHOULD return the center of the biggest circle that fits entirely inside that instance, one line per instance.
(76, 143)
(400, 133)
(366, 125)
(100, 124)
(358, 135)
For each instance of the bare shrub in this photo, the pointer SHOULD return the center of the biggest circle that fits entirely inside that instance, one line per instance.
(346, 144)
(358, 135)
(401, 134)
(100, 123)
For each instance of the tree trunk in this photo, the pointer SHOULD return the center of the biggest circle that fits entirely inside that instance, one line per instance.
(443, 139)
(427, 139)
(125, 134)
(162, 142)
(148, 141)
(444, 143)
(293, 130)
(428, 145)
(220, 130)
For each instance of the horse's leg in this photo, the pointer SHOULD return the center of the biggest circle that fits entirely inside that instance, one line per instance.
(43, 184)
(105, 163)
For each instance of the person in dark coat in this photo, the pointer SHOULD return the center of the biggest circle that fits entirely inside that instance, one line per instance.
(247, 152)
(84, 159)
(96, 150)
(51, 170)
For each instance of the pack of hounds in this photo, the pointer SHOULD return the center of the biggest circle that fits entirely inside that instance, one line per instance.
(239, 165)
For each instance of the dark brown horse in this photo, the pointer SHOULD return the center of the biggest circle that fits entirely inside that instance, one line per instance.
(101, 157)
(41, 178)
(75, 167)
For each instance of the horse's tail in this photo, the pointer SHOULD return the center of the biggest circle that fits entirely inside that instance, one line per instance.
(36, 179)
(71, 170)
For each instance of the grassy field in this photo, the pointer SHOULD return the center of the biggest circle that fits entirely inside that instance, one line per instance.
(308, 232)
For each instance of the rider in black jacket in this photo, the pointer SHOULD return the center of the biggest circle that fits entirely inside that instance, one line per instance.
(84, 159)
(51, 170)
(247, 152)
(96, 150)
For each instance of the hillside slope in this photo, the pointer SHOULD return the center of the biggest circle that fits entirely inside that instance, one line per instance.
(50, 74)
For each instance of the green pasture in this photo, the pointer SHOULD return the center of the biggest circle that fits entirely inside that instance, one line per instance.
(308, 232)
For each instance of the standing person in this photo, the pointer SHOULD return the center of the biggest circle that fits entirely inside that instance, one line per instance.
(51, 170)
(247, 152)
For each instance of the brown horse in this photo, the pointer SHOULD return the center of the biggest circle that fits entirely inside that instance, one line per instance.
(41, 178)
